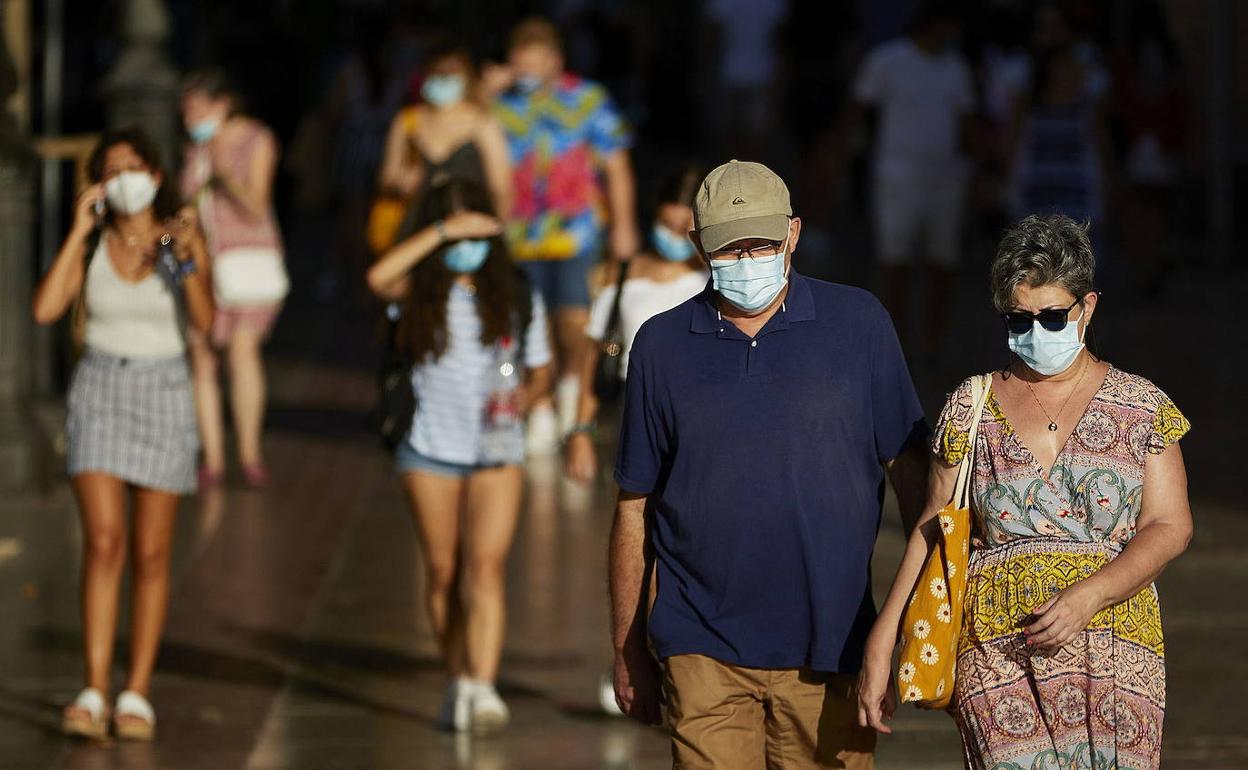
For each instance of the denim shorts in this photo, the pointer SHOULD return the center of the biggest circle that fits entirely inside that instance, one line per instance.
(562, 283)
(407, 459)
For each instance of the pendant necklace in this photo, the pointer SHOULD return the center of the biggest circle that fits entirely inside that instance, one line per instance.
(1053, 420)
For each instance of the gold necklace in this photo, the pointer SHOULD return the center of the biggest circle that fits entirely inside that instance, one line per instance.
(1053, 420)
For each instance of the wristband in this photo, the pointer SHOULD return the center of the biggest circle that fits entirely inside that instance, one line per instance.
(587, 428)
(440, 226)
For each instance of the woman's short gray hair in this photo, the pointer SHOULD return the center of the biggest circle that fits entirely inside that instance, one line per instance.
(1043, 250)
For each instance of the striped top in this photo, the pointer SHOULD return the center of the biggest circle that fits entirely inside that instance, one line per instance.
(451, 392)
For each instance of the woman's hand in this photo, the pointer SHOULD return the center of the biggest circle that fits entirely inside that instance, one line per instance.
(581, 459)
(471, 224)
(85, 215)
(184, 227)
(877, 697)
(1061, 619)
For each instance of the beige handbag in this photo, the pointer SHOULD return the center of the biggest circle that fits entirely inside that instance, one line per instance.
(932, 622)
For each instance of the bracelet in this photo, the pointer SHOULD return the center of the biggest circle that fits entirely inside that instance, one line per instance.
(587, 428)
(440, 226)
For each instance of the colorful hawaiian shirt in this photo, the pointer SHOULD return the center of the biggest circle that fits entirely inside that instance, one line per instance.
(558, 137)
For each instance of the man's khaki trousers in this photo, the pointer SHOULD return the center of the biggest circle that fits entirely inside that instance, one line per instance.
(725, 717)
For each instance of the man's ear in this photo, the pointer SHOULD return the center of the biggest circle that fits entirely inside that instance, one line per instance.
(795, 233)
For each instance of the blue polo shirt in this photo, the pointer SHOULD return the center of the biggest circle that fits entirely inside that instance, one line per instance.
(762, 459)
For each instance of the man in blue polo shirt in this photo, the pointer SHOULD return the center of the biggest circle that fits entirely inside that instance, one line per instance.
(760, 420)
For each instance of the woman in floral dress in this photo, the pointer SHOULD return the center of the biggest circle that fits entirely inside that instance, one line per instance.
(1061, 659)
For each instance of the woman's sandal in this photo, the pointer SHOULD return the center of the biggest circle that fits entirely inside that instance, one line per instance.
(87, 716)
(133, 718)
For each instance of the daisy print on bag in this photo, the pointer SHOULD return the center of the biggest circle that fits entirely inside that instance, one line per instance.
(938, 588)
(921, 629)
(906, 671)
(944, 614)
(929, 655)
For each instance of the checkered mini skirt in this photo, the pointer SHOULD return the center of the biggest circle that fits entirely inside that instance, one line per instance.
(133, 419)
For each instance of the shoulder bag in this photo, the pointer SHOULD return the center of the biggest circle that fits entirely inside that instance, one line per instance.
(932, 623)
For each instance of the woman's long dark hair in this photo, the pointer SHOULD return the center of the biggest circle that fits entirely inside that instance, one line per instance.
(500, 285)
(167, 200)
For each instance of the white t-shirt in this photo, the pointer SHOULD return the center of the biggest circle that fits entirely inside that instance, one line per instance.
(921, 99)
(643, 298)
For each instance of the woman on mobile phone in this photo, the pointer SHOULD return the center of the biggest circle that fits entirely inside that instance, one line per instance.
(134, 269)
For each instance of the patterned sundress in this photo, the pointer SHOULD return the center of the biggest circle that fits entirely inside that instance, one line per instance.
(1098, 702)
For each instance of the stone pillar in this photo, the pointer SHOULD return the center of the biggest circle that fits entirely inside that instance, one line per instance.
(142, 87)
(17, 437)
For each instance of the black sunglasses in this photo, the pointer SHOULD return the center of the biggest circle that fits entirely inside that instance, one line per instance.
(1054, 319)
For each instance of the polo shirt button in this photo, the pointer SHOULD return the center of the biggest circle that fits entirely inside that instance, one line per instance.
(754, 343)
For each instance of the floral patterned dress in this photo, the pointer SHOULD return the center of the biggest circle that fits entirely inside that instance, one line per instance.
(1098, 702)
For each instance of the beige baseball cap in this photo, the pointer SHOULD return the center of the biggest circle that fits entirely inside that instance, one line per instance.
(741, 200)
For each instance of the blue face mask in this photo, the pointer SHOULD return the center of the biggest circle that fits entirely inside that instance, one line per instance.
(671, 246)
(466, 256)
(443, 90)
(527, 84)
(748, 284)
(204, 130)
(1047, 352)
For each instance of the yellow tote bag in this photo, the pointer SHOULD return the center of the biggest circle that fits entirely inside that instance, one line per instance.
(932, 621)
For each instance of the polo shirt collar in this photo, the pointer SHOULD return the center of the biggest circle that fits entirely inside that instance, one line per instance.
(799, 305)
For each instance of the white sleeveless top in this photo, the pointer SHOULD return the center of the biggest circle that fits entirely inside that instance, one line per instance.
(127, 319)
(642, 298)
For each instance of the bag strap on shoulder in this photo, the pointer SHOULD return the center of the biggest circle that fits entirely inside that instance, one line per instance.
(981, 387)
(613, 320)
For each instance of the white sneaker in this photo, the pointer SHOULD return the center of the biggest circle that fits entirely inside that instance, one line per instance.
(606, 696)
(542, 436)
(489, 713)
(456, 714)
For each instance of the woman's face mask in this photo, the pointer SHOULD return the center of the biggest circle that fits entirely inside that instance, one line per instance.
(131, 191)
(444, 90)
(669, 245)
(1049, 352)
(466, 256)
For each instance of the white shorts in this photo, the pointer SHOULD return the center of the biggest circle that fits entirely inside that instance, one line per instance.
(919, 211)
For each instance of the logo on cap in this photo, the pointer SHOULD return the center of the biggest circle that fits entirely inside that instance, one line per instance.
(737, 201)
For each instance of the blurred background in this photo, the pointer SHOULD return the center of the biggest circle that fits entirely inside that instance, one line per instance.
(285, 646)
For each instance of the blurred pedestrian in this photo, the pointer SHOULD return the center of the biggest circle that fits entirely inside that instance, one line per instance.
(228, 174)
(1059, 143)
(760, 419)
(1079, 501)
(656, 280)
(563, 133)
(371, 85)
(1152, 106)
(135, 271)
(476, 335)
(449, 135)
(921, 88)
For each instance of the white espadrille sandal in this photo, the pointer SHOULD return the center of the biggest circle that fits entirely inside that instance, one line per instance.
(87, 716)
(133, 718)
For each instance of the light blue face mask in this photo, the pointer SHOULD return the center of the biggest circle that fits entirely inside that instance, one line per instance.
(204, 130)
(466, 256)
(443, 90)
(748, 284)
(527, 84)
(671, 246)
(1048, 353)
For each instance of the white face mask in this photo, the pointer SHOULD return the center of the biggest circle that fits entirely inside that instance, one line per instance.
(131, 191)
